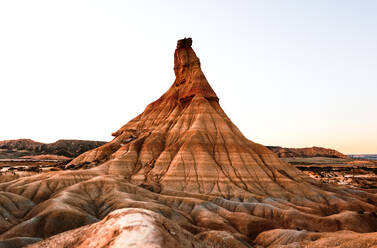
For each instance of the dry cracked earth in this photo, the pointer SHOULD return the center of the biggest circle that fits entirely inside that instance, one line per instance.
(181, 174)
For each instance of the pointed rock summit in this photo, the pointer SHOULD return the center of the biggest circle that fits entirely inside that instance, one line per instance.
(185, 142)
(181, 173)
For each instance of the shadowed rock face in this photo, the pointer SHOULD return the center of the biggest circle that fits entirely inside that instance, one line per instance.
(27, 147)
(184, 160)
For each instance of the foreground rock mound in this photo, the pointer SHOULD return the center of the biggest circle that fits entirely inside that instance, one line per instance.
(129, 227)
(184, 160)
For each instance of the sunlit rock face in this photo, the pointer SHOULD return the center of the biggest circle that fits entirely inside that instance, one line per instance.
(185, 142)
(181, 161)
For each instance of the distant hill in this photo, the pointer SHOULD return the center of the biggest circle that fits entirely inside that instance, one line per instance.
(364, 156)
(314, 151)
(26, 147)
(19, 148)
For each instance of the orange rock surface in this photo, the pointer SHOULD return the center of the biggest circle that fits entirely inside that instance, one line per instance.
(181, 161)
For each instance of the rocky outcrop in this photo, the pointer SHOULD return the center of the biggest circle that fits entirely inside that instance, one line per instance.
(314, 151)
(294, 238)
(20, 144)
(135, 227)
(184, 160)
(131, 227)
(26, 147)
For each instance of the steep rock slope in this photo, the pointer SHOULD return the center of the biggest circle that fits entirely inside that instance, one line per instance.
(183, 159)
(184, 141)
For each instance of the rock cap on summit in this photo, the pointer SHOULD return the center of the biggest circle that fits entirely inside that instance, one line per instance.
(184, 43)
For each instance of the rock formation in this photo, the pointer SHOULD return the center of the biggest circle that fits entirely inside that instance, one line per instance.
(20, 144)
(314, 151)
(19, 148)
(185, 161)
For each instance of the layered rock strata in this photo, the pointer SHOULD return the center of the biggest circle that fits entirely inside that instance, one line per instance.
(184, 160)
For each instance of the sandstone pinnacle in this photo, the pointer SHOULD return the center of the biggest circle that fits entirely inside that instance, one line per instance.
(206, 184)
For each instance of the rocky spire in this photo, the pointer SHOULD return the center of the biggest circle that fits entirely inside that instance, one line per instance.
(185, 142)
(190, 80)
(185, 160)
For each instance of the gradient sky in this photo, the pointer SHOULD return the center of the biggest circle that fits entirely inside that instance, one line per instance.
(289, 73)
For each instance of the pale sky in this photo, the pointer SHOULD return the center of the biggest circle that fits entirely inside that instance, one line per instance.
(288, 73)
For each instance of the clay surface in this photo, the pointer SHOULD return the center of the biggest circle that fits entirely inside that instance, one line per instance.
(181, 173)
